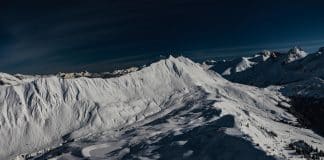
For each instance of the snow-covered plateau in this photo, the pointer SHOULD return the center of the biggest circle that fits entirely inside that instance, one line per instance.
(172, 109)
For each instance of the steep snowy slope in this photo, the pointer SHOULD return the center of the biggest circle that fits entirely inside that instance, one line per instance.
(242, 65)
(174, 102)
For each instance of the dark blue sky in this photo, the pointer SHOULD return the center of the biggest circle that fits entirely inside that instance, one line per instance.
(75, 35)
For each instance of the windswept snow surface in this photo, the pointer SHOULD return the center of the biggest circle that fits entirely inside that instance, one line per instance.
(172, 109)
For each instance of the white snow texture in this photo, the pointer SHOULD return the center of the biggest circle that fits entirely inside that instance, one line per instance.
(40, 113)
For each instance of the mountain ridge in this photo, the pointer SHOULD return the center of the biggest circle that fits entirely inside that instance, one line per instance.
(51, 111)
(274, 68)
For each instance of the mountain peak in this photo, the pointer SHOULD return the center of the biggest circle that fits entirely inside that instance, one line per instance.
(296, 50)
(266, 54)
(295, 54)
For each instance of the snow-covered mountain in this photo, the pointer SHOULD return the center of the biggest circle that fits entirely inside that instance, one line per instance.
(172, 109)
(295, 74)
(295, 54)
(273, 68)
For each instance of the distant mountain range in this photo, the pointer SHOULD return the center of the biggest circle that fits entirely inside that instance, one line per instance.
(272, 68)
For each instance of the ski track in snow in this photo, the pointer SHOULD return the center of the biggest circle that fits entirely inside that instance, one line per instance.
(172, 109)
